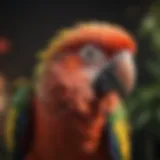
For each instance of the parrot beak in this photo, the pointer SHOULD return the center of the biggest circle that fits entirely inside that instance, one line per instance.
(118, 76)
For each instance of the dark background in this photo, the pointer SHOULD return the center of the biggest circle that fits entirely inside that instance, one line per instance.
(30, 24)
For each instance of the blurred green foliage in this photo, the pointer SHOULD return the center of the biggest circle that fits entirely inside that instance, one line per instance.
(151, 26)
(144, 105)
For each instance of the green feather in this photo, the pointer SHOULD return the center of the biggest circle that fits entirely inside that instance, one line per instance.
(18, 105)
(119, 133)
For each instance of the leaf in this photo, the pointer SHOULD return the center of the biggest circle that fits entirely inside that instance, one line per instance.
(155, 9)
(156, 39)
(142, 120)
(148, 25)
(154, 71)
(158, 114)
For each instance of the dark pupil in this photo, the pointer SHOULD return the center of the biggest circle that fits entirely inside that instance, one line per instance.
(90, 54)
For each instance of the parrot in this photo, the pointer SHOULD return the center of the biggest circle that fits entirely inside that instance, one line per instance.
(74, 108)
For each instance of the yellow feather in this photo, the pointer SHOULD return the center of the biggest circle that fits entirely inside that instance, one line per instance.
(10, 128)
(122, 131)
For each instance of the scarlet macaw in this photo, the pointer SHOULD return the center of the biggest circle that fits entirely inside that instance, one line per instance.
(74, 109)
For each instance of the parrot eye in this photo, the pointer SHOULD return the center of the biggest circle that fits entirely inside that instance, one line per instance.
(92, 55)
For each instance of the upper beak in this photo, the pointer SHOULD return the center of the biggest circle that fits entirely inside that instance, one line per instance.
(119, 76)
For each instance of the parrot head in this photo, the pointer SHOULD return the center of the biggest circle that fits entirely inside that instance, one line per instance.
(85, 63)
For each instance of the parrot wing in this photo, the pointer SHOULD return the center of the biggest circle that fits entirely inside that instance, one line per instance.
(118, 131)
(19, 127)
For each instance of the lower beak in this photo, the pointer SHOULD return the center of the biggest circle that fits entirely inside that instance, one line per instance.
(119, 76)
